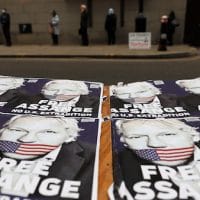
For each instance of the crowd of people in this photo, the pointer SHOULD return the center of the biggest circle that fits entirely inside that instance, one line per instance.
(54, 27)
(110, 26)
(167, 30)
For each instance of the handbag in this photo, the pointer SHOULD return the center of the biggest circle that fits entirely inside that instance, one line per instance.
(50, 29)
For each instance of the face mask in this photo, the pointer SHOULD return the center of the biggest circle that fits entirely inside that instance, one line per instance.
(25, 148)
(165, 154)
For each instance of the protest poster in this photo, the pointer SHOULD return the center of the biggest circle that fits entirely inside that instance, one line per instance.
(156, 99)
(45, 157)
(139, 40)
(50, 97)
(156, 159)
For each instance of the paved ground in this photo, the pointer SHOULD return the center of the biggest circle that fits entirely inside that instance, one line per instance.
(95, 51)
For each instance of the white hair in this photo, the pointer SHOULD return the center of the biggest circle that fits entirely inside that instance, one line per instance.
(83, 6)
(70, 124)
(79, 85)
(143, 84)
(164, 17)
(187, 82)
(174, 123)
(16, 82)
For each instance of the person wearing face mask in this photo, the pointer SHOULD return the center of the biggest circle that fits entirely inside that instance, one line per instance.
(146, 146)
(69, 92)
(58, 96)
(53, 141)
(5, 24)
(110, 26)
(191, 101)
(139, 95)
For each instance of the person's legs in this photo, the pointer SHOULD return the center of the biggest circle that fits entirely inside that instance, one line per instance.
(170, 39)
(54, 39)
(109, 38)
(6, 32)
(162, 45)
(85, 41)
(113, 38)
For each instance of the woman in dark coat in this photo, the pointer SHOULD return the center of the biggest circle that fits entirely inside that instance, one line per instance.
(111, 25)
(84, 25)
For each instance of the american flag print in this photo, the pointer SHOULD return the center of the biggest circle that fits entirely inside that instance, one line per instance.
(165, 154)
(25, 148)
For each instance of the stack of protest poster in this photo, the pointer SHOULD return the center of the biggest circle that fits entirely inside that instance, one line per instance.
(49, 141)
(156, 140)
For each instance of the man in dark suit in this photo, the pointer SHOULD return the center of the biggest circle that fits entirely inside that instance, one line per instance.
(144, 97)
(52, 141)
(84, 25)
(111, 26)
(136, 92)
(192, 100)
(152, 144)
(5, 23)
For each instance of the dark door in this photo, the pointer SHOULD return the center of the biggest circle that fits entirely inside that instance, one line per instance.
(192, 23)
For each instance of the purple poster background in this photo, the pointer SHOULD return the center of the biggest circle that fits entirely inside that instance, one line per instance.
(142, 100)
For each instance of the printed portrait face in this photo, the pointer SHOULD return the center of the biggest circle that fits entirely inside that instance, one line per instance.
(139, 92)
(159, 141)
(190, 85)
(62, 90)
(7, 83)
(32, 136)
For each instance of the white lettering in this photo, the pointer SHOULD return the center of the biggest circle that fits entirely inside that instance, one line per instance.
(70, 189)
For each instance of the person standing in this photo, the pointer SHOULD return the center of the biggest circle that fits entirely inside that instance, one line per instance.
(111, 26)
(84, 25)
(5, 23)
(163, 33)
(172, 24)
(54, 25)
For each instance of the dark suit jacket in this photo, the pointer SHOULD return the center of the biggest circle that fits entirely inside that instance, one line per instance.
(190, 102)
(111, 23)
(84, 21)
(13, 96)
(75, 161)
(129, 171)
(5, 20)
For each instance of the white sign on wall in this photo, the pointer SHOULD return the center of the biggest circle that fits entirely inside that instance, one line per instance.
(139, 40)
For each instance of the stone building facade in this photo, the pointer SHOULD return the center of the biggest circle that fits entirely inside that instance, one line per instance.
(37, 13)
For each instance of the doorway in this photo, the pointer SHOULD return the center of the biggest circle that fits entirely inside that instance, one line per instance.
(192, 23)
